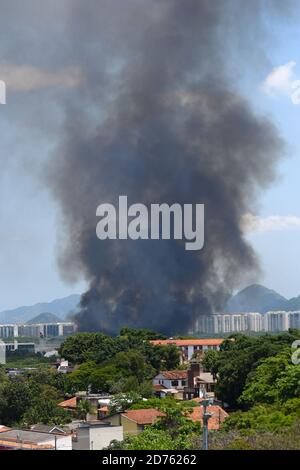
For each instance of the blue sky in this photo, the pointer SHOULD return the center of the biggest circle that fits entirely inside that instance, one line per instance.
(279, 250)
(29, 231)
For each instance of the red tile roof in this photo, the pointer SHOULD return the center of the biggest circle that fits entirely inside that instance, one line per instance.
(188, 342)
(144, 416)
(174, 374)
(71, 403)
(150, 415)
(218, 416)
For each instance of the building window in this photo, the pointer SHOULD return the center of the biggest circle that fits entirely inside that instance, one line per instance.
(174, 383)
(183, 382)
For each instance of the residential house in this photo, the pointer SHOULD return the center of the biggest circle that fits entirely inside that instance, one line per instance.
(171, 379)
(170, 382)
(134, 421)
(69, 405)
(97, 402)
(198, 381)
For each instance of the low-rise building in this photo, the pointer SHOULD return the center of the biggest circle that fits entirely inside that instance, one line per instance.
(199, 382)
(171, 379)
(27, 348)
(189, 347)
(96, 435)
(19, 439)
(133, 421)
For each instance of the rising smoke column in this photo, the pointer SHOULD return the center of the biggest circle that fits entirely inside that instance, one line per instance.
(159, 120)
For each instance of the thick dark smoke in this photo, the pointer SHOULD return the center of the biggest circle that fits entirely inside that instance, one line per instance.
(159, 120)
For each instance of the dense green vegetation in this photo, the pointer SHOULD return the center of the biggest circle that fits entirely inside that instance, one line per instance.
(174, 431)
(238, 359)
(28, 361)
(30, 399)
(255, 378)
(126, 363)
(121, 364)
(258, 380)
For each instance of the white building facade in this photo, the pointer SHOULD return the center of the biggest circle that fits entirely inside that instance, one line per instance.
(38, 330)
(247, 322)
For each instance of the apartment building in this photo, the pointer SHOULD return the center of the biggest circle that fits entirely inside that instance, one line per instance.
(276, 321)
(246, 322)
(39, 330)
(294, 318)
(228, 323)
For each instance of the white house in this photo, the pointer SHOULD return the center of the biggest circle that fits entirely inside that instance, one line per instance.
(171, 379)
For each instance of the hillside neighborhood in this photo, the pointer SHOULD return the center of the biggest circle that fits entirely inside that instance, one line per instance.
(140, 390)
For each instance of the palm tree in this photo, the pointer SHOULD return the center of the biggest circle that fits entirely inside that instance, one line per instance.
(83, 408)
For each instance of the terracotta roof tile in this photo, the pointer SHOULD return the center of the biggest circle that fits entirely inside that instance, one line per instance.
(144, 416)
(174, 374)
(218, 416)
(71, 403)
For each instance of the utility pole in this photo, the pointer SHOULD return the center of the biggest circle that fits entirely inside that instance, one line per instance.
(205, 418)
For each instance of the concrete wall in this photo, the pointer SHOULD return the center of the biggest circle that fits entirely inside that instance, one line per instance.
(96, 437)
(130, 427)
(114, 420)
(83, 439)
(62, 442)
(101, 437)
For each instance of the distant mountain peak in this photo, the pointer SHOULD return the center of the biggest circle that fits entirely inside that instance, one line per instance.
(46, 317)
(259, 289)
(60, 307)
(257, 298)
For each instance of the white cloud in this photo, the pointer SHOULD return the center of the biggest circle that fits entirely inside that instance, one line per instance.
(280, 80)
(254, 223)
(24, 78)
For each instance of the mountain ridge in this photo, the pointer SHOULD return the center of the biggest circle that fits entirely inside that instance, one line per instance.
(61, 307)
(253, 298)
(258, 298)
(45, 317)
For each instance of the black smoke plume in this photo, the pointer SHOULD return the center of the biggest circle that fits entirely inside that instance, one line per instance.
(159, 119)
